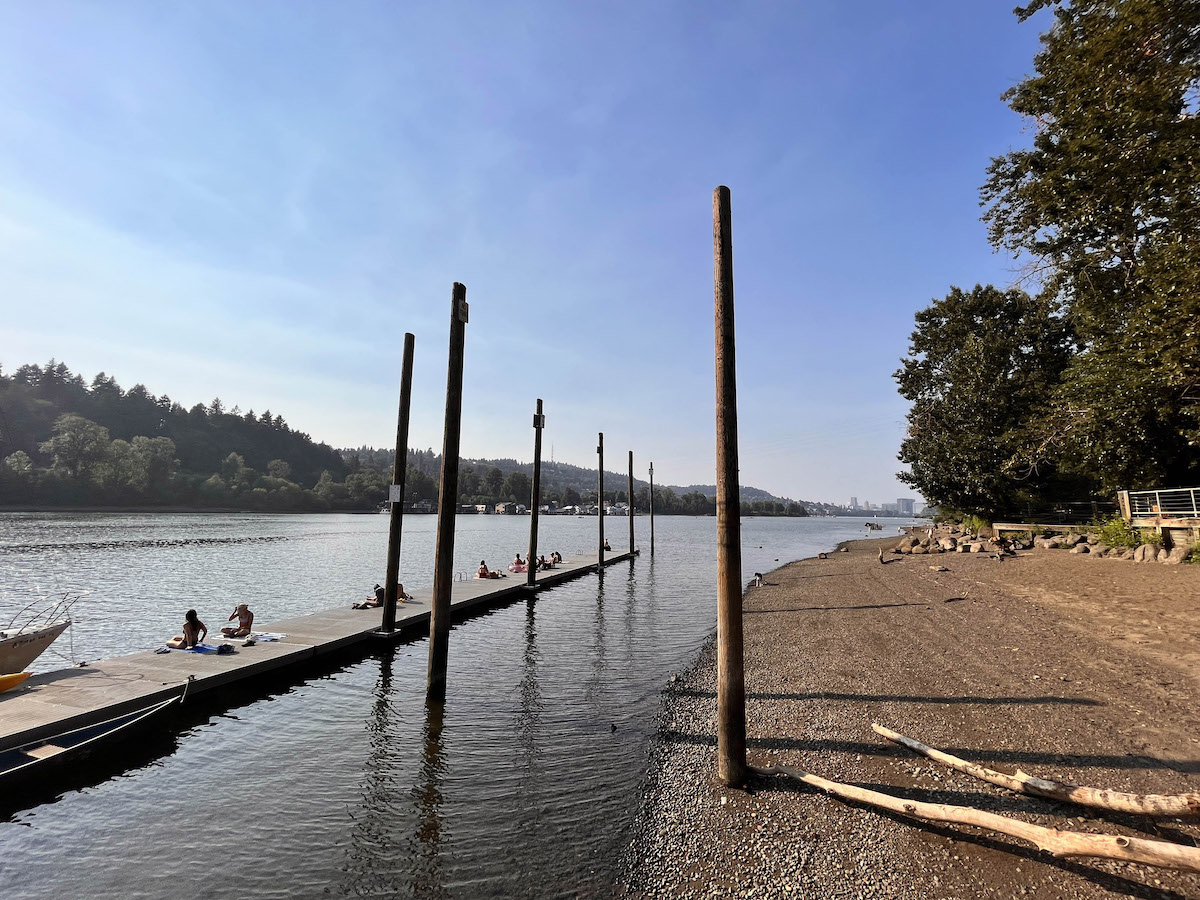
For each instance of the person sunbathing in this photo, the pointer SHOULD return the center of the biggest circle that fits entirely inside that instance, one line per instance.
(484, 572)
(542, 563)
(372, 602)
(194, 631)
(245, 620)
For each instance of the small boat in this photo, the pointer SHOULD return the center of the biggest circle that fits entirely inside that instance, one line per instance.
(18, 649)
(23, 760)
(22, 644)
(11, 681)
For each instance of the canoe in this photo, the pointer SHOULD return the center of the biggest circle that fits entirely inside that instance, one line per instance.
(19, 649)
(27, 759)
(11, 681)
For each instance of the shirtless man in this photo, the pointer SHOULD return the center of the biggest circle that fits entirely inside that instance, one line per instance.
(245, 621)
(194, 631)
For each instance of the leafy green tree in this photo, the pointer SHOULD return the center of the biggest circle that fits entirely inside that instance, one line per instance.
(517, 487)
(1105, 205)
(77, 447)
(979, 364)
(20, 464)
(278, 468)
(156, 465)
(493, 482)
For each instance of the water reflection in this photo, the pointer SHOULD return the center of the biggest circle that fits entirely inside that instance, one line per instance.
(531, 775)
(426, 863)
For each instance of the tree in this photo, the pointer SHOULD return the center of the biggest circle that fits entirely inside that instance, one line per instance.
(979, 365)
(1105, 206)
(517, 487)
(278, 468)
(77, 447)
(493, 481)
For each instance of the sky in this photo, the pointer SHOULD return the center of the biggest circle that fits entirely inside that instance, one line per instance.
(255, 201)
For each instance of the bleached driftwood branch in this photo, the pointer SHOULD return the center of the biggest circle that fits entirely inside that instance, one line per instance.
(1139, 804)
(1056, 843)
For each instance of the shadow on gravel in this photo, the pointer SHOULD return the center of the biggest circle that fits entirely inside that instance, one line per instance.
(1114, 883)
(1009, 757)
(905, 698)
(792, 609)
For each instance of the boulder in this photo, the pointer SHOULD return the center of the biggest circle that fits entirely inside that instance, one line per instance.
(1177, 555)
(1126, 553)
(1052, 543)
(1081, 548)
(947, 543)
(1163, 553)
(1099, 549)
(920, 548)
(1145, 553)
(1070, 540)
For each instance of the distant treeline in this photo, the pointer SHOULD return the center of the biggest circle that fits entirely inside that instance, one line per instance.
(67, 442)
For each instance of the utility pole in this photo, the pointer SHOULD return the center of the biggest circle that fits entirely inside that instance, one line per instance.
(731, 684)
(443, 575)
(399, 472)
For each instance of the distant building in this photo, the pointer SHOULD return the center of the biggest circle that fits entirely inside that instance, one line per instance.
(854, 503)
(904, 505)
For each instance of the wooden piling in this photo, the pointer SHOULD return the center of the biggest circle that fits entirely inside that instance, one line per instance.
(535, 498)
(652, 509)
(630, 492)
(399, 473)
(600, 504)
(443, 575)
(731, 688)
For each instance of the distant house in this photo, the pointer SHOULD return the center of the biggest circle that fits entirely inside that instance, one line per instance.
(483, 509)
(506, 509)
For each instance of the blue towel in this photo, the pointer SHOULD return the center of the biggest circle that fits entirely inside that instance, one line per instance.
(203, 648)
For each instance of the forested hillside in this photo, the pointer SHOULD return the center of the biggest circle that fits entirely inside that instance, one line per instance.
(68, 442)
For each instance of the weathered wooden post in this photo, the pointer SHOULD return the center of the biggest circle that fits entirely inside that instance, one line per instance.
(731, 686)
(630, 501)
(443, 574)
(396, 493)
(535, 499)
(651, 509)
(600, 504)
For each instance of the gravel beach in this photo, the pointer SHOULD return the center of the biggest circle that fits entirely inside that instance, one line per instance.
(1085, 670)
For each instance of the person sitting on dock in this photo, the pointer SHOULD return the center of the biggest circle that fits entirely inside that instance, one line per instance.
(245, 621)
(543, 563)
(606, 544)
(484, 572)
(518, 564)
(555, 558)
(372, 602)
(194, 631)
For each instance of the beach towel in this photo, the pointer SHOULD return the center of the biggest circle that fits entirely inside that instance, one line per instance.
(202, 648)
(267, 636)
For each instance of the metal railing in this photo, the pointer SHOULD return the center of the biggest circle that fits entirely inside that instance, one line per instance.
(1175, 503)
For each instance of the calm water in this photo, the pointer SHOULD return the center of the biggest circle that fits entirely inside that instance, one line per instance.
(342, 783)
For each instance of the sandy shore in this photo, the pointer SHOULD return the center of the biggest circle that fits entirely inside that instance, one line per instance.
(1068, 667)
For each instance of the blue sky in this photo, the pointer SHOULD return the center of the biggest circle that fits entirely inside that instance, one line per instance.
(256, 200)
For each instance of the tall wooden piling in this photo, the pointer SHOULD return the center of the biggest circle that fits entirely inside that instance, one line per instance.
(396, 494)
(651, 509)
(731, 687)
(535, 498)
(600, 502)
(443, 575)
(630, 492)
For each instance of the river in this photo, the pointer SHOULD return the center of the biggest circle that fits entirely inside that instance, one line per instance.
(339, 781)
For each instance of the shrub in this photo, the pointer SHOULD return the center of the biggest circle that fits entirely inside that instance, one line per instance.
(1116, 532)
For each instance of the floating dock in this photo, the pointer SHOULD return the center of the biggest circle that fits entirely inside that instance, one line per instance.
(54, 702)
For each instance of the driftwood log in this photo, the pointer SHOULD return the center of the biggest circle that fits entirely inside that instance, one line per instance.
(1056, 843)
(1116, 801)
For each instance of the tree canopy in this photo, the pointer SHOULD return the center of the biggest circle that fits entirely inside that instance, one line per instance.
(1103, 212)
